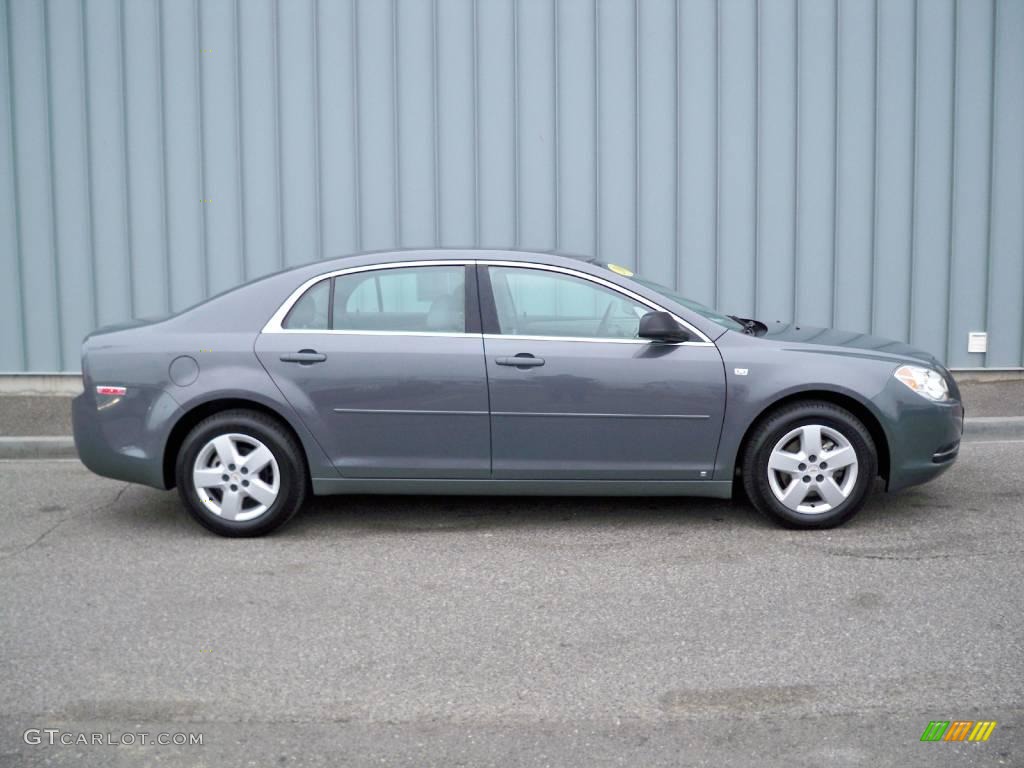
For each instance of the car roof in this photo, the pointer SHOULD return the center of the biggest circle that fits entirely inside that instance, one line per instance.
(429, 254)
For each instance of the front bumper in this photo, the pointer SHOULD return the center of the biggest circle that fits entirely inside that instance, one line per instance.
(924, 438)
(124, 437)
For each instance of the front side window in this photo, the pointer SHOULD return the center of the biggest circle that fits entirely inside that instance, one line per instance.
(534, 302)
(412, 299)
(696, 306)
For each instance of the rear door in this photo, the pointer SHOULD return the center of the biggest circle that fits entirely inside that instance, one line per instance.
(575, 394)
(385, 365)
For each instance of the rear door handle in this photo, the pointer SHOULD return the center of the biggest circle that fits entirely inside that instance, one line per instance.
(304, 357)
(522, 360)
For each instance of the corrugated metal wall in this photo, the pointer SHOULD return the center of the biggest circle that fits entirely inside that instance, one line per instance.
(854, 162)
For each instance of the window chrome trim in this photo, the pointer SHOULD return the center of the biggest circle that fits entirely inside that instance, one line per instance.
(273, 325)
(349, 332)
(594, 340)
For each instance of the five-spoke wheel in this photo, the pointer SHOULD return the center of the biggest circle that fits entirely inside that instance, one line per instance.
(241, 473)
(812, 469)
(236, 476)
(809, 465)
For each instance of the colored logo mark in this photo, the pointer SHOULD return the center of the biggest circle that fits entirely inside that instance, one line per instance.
(958, 730)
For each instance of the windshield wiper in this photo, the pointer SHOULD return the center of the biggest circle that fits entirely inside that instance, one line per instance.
(750, 327)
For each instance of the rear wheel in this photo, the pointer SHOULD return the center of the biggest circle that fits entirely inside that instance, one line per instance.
(810, 465)
(240, 473)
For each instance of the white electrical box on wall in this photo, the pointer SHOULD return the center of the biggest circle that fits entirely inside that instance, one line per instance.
(977, 341)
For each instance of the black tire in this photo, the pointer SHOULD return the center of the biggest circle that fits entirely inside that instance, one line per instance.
(773, 429)
(291, 464)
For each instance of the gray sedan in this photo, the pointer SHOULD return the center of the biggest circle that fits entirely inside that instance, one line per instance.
(494, 372)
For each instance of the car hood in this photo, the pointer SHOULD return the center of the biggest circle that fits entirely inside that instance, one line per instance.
(851, 340)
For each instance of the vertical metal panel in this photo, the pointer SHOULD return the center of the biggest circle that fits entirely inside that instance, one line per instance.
(848, 162)
(577, 177)
(972, 152)
(496, 100)
(338, 137)
(737, 164)
(258, 131)
(220, 192)
(186, 249)
(144, 155)
(104, 97)
(32, 178)
(375, 109)
(616, 116)
(69, 147)
(656, 121)
(933, 173)
(816, 179)
(536, 134)
(12, 350)
(698, 224)
(894, 167)
(297, 63)
(776, 159)
(1006, 245)
(415, 123)
(455, 125)
(855, 183)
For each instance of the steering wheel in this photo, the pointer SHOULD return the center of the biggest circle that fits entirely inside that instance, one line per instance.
(603, 325)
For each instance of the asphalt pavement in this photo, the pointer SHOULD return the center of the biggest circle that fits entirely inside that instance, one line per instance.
(512, 632)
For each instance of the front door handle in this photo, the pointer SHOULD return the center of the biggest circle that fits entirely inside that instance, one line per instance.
(522, 360)
(304, 357)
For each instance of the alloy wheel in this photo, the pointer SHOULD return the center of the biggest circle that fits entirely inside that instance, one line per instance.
(812, 469)
(236, 477)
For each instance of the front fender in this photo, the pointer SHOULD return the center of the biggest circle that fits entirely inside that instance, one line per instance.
(775, 373)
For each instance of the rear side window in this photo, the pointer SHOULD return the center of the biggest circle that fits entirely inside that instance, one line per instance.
(310, 312)
(412, 299)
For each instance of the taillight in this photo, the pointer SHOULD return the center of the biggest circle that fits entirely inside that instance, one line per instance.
(111, 391)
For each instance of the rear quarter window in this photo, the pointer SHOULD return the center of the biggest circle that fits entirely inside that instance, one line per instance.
(310, 312)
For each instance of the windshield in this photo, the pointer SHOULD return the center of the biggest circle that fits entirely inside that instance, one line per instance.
(696, 306)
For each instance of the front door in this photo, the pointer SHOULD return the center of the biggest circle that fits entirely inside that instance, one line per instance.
(384, 371)
(575, 394)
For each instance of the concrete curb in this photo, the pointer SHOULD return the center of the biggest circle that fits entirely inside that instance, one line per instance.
(976, 429)
(37, 448)
(36, 384)
(993, 428)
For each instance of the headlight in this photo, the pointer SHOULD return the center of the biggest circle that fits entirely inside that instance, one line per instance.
(924, 381)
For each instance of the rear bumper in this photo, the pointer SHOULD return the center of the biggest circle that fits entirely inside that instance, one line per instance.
(124, 438)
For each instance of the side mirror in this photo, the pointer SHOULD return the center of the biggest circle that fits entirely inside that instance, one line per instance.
(661, 326)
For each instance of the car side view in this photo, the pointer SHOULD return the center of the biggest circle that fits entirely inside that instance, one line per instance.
(495, 372)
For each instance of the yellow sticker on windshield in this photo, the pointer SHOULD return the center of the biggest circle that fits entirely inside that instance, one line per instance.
(620, 270)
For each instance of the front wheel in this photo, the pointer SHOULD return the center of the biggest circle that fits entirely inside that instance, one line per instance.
(810, 465)
(240, 473)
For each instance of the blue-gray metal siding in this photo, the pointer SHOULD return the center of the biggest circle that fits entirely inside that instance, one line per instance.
(850, 162)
